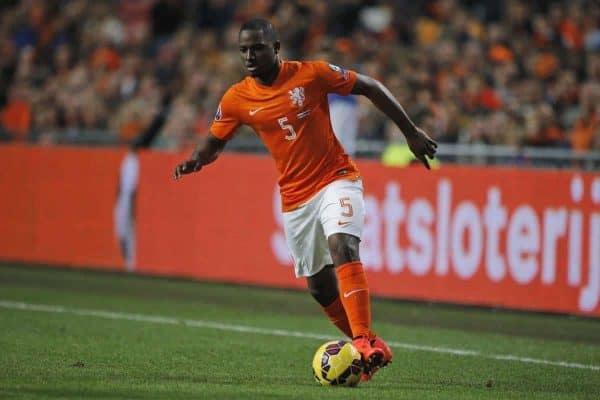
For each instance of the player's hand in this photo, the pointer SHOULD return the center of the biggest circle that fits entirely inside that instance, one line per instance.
(421, 145)
(186, 167)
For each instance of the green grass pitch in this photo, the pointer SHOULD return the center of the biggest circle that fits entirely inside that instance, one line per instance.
(67, 334)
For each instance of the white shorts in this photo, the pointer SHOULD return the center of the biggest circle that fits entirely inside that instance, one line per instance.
(337, 208)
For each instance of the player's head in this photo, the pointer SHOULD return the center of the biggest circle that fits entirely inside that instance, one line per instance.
(259, 47)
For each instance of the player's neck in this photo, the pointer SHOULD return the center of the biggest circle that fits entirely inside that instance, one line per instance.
(269, 78)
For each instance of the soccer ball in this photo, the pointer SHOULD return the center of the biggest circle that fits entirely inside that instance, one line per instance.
(337, 363)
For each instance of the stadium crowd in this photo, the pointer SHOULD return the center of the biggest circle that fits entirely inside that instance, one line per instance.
(507, 72)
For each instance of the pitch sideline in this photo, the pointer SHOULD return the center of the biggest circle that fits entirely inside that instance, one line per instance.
(14, 305)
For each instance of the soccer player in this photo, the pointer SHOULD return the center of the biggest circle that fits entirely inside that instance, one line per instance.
(285, 102)
(124, 211)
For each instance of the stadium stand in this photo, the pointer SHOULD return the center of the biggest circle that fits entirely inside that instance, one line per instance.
(496, 80)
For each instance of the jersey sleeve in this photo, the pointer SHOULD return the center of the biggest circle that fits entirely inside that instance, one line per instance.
(334, 79)
(226, 120)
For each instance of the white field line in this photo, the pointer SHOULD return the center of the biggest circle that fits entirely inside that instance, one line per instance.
(276, 332)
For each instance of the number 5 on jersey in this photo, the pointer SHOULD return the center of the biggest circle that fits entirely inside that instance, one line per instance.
(282, 122)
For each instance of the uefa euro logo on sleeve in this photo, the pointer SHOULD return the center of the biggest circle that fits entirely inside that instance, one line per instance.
(218, 114)
(342, 71)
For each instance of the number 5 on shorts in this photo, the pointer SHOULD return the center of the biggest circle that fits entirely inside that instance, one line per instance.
(345, 203)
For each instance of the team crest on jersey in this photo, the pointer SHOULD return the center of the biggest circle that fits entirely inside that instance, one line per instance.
(297, 96)
(218, 114)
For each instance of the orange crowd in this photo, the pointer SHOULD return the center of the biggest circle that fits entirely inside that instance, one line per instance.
(504, 72)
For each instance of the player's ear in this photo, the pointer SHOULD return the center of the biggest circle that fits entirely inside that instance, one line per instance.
(277, 46)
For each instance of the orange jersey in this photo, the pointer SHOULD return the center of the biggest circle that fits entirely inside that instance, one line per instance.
(292, 118)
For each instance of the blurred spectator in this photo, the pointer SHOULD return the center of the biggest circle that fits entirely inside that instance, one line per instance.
(8, 66)
(16, 114)
(586, 131)
(214, 15)
(167, 17)
(543, 129)
(124, 210)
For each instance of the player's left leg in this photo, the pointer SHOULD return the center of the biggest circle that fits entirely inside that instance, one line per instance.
(355, 296)
(378, 342)
(354, 291)
(315, 233)
(342, 215)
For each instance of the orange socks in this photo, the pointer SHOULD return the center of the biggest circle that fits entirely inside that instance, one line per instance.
(354, 295)
(337, 315)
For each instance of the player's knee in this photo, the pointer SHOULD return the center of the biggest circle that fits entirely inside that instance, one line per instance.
(343, 248)
(323, 286)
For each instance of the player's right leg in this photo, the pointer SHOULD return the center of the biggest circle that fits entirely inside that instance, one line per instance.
(306, 240)
(323, 287)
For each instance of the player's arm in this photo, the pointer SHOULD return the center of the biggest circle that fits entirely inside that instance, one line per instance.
(418, 141)
(207, 151)
(210, 146)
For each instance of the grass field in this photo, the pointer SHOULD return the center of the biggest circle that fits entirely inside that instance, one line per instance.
(90, 335)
